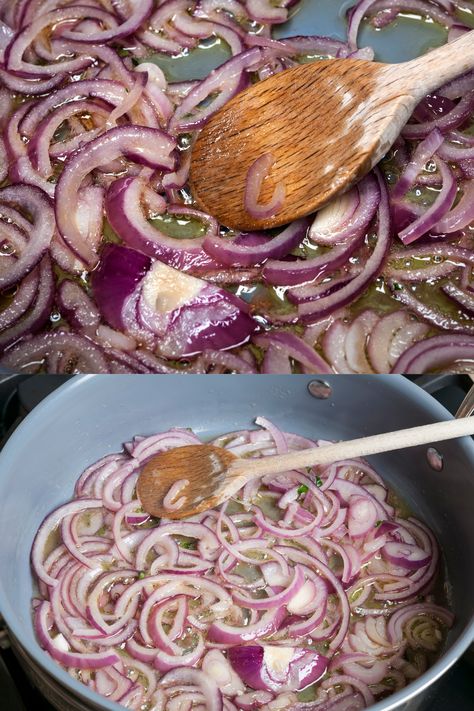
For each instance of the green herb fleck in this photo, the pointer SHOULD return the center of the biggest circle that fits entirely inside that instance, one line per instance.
(319, 481)
(302, 489)
(141, 575)
(187, 543)
(378, 523)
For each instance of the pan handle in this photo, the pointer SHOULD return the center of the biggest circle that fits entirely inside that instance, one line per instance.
(436, 382)
(466, 408)
(432, 384)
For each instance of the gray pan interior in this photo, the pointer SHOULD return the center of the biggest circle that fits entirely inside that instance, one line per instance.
(92, 415)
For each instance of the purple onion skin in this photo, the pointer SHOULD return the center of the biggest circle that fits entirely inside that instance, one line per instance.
(248, 661)
(178, 257)
(115, 279)
(219, 334)
(192, 328)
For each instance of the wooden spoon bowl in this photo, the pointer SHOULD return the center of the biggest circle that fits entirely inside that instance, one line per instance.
(326, 124)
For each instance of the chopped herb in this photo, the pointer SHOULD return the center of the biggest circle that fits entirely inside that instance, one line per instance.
(302, 489)
(378, 523)
(187, 543)
(319, 481)
(141, 575)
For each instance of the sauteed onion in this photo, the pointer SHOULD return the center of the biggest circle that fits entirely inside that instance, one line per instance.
(307, 591)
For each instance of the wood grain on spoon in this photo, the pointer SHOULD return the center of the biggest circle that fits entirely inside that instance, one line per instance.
(215, 474)
(326, 124)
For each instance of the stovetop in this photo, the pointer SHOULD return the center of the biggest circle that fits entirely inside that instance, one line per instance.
(20, 394)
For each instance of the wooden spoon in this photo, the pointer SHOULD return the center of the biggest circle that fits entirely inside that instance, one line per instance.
(326, 124)
(214, 474)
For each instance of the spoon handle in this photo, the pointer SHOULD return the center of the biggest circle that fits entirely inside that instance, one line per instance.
(427, 73)
(375, 444)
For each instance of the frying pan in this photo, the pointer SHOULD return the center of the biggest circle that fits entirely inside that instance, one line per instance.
(92, 415)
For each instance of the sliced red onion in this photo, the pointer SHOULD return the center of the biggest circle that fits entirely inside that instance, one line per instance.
(272, 601)
(77, 307)
(171, 502)
(355, 18)
(361, 666)
(25, 296)
(233, 254)
(61, 352)
(450, 120)
(90, 660)
(362, 516)
(47, 528)
(441, 259)
(225, 81)
(120, 272)
(99, 88)
(228, 634)
(141, 144)
(457, 153)
(113, 93)
(432, 315)
(345, 215)
(14, 53)
(228, 362)
(405, 555)
(291, 273)
(464, 298)
(277, 668)
(218, 668)
(19, 319)
(288, 345)
(365, 8)
(266, 11)
(126, 215)
(458, 87)
(462, 215)
(257, 174)
(424, 151)
(310, 312)
(356, 343)
(400, 617)
(180, 678)
(184, 313)
(140, 13)
(437, 211)
(253, 700)
(27, 249)
(436, 353)
(393, 332)
(160, 33)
